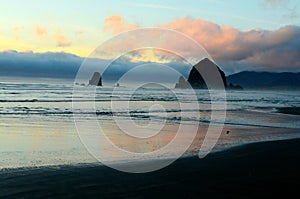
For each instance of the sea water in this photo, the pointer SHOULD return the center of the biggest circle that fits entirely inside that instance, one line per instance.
(37, 119)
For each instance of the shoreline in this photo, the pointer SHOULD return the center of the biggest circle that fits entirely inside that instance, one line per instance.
(186, 155)
(264, 168)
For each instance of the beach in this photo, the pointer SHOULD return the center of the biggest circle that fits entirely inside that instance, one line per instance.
(42, 155)
(266, 169)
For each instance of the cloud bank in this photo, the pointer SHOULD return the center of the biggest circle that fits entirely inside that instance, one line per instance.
(235, 50)
(29, 64)
(65, 66)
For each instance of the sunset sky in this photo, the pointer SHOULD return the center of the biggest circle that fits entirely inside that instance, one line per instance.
(258, 32)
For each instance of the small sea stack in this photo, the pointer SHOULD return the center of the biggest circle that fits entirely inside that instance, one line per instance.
(96, 79)
(182, 83)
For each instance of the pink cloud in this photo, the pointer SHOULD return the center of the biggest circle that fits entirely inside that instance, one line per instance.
(40, 31)
(117, 24)
(227, 45)
(61, 40)
(204, 32)
(275, 2)
(17, 29)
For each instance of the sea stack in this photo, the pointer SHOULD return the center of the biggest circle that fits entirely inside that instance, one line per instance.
(195, 80)
(96, 79)
(182, 83)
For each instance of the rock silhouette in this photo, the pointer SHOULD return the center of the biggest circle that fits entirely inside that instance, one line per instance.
(182, 83)
(96, 79)
(232, 86)
(195, 80)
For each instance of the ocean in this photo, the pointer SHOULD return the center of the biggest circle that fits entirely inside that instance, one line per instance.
(38, 127)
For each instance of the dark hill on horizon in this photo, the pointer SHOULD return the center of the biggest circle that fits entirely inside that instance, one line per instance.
(265, 80)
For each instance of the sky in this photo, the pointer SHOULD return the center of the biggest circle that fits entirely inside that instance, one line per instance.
(239, 35)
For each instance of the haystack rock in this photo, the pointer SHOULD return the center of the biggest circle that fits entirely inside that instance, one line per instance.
(196, 81)
(96, 79)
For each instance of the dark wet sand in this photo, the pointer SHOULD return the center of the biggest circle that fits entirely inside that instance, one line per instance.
(268, 169)
(289, 110)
